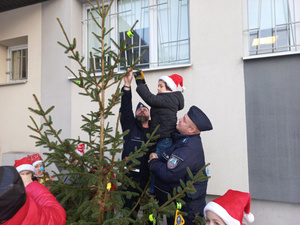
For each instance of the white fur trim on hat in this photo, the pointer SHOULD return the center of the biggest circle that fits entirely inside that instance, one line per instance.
(221, 212)
(78, 152)
(37, 162)
(25, 167)
(170, 83)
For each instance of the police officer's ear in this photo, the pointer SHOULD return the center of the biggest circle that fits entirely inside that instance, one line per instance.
(193, 130)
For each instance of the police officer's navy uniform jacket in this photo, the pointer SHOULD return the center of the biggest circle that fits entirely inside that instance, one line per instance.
(136, 135)
(186, 151)
(164, 107)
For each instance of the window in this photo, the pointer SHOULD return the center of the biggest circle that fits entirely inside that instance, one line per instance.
(273, 26)
(162, 30)
(18, 63)
(92, 41)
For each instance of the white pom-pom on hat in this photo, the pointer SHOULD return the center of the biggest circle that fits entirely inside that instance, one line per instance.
(249, 217)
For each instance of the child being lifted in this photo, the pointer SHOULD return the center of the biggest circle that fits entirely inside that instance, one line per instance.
(164, 107)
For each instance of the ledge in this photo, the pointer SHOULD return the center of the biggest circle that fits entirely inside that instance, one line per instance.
(270, 55)
(13, 83)
(98, 74)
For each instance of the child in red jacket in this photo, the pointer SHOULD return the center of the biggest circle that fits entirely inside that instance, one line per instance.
(27, 202)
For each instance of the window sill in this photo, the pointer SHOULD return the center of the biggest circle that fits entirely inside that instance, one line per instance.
(270, 55)
(151, 69)
(15, 82)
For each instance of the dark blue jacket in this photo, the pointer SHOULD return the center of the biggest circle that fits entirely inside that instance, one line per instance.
(186, 151)
(136, 135)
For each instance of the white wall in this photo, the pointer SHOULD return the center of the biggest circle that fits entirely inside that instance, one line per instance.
(15, 99)
(216, 78)
(3, 64)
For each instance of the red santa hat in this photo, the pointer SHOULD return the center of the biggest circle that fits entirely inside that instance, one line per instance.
(232, 207)
(173, 81)
(80, 149)
(35, 159)
(24, 164)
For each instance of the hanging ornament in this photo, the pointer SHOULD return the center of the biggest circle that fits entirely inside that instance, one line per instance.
(178, 217)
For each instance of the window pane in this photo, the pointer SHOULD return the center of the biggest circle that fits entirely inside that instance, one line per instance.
(93, 29)
(129, 11)
(162, 30)
(173, 33)
(269, 26)
(19, 64)
(16, 65)
(24, 64)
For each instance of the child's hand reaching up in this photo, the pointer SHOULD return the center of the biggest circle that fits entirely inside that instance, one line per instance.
(139, 77)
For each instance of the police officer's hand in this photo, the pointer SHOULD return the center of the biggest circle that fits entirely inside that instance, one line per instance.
(152, 156)
(128, 78)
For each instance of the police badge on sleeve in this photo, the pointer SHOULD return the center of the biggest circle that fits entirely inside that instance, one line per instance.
(173, 162)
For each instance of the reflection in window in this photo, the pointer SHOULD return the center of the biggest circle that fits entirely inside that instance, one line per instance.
(271, 26)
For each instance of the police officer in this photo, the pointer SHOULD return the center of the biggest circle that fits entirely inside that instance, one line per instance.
(139, 127)
(186, 151)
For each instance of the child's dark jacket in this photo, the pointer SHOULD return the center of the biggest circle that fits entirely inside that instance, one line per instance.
(164, 107)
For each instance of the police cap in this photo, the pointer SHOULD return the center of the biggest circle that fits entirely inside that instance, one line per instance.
(199, 118)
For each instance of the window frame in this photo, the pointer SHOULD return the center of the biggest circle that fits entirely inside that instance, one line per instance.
(293, 35)
(153, 39)
(10, 72)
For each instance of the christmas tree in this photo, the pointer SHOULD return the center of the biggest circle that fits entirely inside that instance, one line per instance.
(92, 186)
